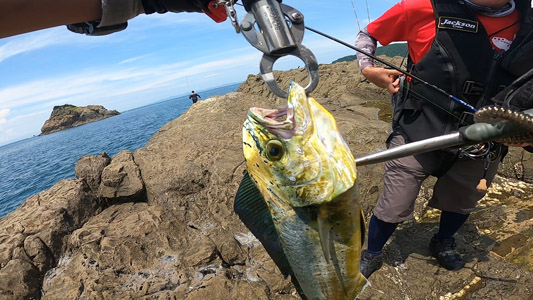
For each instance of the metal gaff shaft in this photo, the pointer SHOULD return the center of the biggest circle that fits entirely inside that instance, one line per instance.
(473, 134)
(423, 146)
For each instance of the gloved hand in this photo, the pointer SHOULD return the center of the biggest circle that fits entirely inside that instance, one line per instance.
(163, 6)
(519, 94)
(116, 13)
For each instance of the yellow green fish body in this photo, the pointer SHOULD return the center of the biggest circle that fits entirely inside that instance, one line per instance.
(306, 174)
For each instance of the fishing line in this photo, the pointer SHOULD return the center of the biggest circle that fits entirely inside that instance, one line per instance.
(356, 18)
(368, 12)
(436, 88)
(419, 96)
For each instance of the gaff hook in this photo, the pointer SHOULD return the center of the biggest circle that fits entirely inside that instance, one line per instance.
(267, 73)
(277, 39)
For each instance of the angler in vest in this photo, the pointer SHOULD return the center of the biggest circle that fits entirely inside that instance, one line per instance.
(471, 49)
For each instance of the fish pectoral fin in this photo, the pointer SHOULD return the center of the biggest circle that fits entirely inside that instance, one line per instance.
(324, 229)
(253, 211)
(363, 227)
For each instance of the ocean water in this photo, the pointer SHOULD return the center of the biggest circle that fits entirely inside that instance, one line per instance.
(30, 166)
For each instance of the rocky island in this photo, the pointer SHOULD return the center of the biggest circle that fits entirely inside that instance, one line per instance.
(68, 116)
(159, 223)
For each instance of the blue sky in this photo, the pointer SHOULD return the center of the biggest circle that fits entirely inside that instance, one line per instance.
(157, 57)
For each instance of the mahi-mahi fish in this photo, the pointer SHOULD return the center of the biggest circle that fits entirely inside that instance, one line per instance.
(308, 216)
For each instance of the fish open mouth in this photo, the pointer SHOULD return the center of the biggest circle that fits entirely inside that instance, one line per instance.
(280, 122)
(286, 122)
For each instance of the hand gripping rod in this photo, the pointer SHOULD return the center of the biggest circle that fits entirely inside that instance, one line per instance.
(470, 135)
(453, 98)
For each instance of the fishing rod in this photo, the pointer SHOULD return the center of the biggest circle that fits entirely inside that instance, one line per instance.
(470, 135)
(453, 98)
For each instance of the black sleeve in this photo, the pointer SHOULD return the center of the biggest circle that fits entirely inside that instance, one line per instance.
(163, 6)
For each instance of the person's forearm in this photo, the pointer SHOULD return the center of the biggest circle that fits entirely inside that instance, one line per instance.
(20, 16)
(366, 43)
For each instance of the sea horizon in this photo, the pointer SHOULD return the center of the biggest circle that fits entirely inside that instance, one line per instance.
(29, 166)
(133, 108)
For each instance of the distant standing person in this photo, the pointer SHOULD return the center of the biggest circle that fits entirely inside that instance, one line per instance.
(194, 97)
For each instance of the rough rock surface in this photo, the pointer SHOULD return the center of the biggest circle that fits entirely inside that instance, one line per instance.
(122, 179)
(68, 116)
(33, 238)
(186, 242)
(89, 168)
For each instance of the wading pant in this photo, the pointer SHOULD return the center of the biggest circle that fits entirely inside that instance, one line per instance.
(454, 191)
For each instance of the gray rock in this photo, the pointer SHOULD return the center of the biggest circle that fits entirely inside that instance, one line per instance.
(89, 168)
(34, 236)
(122, 179)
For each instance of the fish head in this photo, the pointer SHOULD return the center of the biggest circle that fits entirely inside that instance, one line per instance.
(296, 154)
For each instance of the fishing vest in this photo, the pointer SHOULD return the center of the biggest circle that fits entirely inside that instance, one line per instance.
(461, 62)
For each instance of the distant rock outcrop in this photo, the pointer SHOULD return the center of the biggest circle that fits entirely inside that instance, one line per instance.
(68, 116)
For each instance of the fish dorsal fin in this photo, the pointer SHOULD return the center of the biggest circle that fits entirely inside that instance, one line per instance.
(298, 105)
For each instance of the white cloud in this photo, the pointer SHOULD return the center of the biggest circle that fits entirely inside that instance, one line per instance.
(84, 87)
(167, 76)
(62, 87)
(33, 41)
(211, 75)
(24, 44)
(129, 60)
(3, 114)
(22, 126)
(41, 113)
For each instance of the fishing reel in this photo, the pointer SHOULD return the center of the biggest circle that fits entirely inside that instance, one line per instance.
(476, 151)
(275, 29)
(487, 150)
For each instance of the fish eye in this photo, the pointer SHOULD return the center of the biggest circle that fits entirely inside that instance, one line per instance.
(274, 150)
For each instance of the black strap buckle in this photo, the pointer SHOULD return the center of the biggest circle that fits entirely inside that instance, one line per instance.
(91, 28)
(466, 118)
(473, 88)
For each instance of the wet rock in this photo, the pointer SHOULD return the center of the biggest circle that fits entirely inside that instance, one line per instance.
(141, 249)
(33, 237)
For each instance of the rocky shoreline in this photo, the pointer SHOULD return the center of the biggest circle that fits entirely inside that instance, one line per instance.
(68, 116)
(159, 223)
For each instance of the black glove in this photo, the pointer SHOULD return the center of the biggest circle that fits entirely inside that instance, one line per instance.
(519, 94)
(163, 6)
